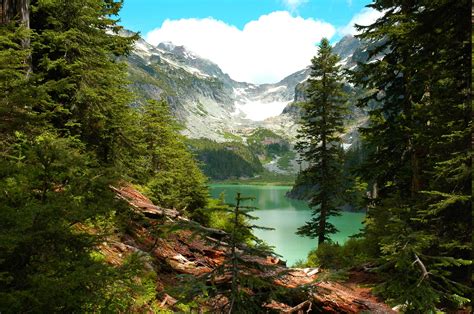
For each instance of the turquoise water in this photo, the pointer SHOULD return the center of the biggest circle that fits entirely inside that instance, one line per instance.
(285, 216)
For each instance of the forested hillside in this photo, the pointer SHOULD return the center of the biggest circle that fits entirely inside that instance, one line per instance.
(243, 157)
(226, 160)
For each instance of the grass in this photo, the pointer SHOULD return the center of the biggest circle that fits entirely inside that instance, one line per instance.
(201, 110)
(233, 137)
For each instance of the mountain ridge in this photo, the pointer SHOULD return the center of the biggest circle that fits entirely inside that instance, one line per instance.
(207, 101)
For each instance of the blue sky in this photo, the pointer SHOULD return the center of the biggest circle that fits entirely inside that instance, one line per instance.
(146, 15)
(257, 41)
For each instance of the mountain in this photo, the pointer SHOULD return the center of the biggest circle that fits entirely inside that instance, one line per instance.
(209, 103)
(351, 51)
(205, 100)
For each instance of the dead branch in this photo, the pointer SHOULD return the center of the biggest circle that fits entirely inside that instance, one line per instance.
(299, 308)
(168, 300)
(424, 272)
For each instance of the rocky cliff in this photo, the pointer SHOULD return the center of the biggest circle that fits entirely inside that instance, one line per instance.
(210, 104)
(208, 101)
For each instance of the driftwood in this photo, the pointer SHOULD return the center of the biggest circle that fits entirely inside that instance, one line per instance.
(333, 297)
(201, 227)
(144, 205)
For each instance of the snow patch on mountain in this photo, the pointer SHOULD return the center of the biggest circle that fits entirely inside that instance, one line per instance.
(275, 89)
(210, 103)
(259, 111)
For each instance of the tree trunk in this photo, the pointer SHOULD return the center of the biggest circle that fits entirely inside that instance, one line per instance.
(4, 11)
(24, 12)
(324, 170)
(235, 270)
(15, 10)
(18, 10)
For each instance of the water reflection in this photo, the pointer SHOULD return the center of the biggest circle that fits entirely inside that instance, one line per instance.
(285, 215)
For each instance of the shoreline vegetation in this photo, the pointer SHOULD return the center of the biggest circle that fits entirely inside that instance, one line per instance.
(266, 179)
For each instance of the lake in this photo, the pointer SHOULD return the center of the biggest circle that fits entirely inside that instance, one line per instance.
(285, 216)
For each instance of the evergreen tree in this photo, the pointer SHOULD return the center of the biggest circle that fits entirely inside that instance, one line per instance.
(319, 142)
(51, 190)
(75, 65)
(171, 175)
(251, 280)
(16, 89)
(63, 128)
(420, 138)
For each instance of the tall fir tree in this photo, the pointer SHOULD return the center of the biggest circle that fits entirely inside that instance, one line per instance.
(75, 64)
(62, 132)
(170, 174)
(420, 161)
(319, 142)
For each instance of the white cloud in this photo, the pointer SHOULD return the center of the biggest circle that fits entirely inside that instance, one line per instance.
(365, 17)
(264, 51)
(294, 4)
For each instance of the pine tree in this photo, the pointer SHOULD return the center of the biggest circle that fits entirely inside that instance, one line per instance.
(75, 64)
(420, 161)
(319, 142)
(170, 174)
(251, 280)
(16, 89)
(63, 128)
(50, 190)
(244, 281)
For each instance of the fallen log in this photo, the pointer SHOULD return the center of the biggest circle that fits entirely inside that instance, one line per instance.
(185, 253)
(142, 204)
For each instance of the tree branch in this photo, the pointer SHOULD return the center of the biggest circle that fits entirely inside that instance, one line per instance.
(424, 272)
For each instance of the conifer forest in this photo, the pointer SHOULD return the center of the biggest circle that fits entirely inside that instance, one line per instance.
(110, 149)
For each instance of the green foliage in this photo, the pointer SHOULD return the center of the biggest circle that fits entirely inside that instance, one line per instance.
(130, 288)
(319, 142)
(242, 269)
(267, 143)
(353, 252)
(49, 186)
(17, 93)
(171, 175)
(266, 178)
(225, 160)
(232, 137)
(419, 161)
(68, 132)
(284, 161)
(354, 186)
(216, 215)
(236, 160)
(72, 64)
(251, 281)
